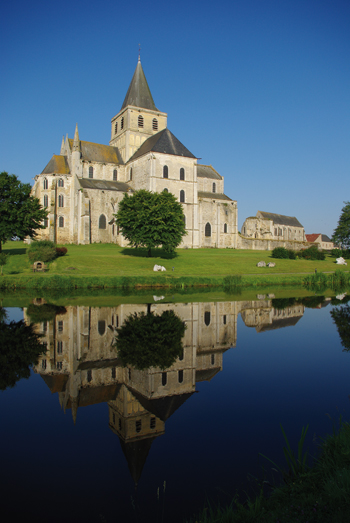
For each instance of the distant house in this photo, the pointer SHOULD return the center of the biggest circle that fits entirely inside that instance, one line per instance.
(326, 243)
(270, 226)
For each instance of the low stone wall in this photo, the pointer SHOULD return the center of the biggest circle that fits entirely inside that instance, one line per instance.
(255, 244)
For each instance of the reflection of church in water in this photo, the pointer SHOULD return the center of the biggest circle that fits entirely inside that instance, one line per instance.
(82, 366)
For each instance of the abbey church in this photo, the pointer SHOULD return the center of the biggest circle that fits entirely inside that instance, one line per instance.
(83, 185)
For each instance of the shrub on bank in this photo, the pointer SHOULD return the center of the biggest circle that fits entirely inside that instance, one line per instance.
(312, 253)
(61, 251)
(283, 253)
(341, 253)
(45, 251)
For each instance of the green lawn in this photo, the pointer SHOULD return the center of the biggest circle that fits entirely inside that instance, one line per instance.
(112, 260)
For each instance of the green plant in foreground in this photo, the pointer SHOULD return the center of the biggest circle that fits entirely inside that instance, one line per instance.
(43, 250)
(3, 260)
(296, 465)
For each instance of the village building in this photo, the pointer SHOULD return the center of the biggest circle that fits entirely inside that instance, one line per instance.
(82, 186)
(325, 243)
(270, 226)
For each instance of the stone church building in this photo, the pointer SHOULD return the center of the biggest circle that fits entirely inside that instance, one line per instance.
(82, 186)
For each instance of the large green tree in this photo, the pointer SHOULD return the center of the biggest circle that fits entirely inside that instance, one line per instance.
(341, 235)
(151, 220)
(20, 213)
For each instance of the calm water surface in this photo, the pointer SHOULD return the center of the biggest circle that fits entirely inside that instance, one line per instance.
(84, 439)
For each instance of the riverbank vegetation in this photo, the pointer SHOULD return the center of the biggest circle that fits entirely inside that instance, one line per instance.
(110, 266)
(316, 494)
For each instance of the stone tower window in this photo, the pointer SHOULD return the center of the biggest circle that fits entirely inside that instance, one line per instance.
(59, 347)
(155, 124)
(46, 222)
(182, 196)
(207, 318)
(61, 221)
(122, 123)
(152, 423)
(140, 121)
(102, 222)
(114, 373)
(138, 425)
(181, 376)
(116, 128)
(46, 183)
(165, 171)
(61, 200)
(91, 172)
(182, 173)
(46, 200)
(207, 229)
(164, 378)
(212, 359)
(89, 375)
(101, 327)
(225, 227)
(115, 175)
(214, 187)
(60, 182)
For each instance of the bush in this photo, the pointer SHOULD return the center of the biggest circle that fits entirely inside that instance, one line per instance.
(280, 252)
(61, 251)
(43, 250)
(312, 253)
(341, 253)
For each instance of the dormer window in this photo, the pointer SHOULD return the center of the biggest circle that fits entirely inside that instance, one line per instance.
(122, 123)
(155, 124)
(140, 121)
(116, 128)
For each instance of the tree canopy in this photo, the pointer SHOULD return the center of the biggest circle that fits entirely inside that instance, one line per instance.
(20, 213)
(341, 235)
(149, 340)
(151, 220)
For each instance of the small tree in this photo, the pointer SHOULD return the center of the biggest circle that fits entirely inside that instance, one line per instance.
(3, 260)
(20, 213)
(341, 235)
(151, 220)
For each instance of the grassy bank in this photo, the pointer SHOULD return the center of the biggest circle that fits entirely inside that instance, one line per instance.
(110, 266)
(320, 494)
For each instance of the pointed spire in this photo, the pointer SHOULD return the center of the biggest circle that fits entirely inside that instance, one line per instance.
(139, 94)
(74, 402)
(76, 143)
(62, 146)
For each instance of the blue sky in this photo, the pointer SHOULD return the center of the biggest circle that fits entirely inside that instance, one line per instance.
(258, 89)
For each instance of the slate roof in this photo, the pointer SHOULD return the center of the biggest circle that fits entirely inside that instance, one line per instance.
(136, 453)
(207, 171)
(280, 219)
(98, 152)
(213, 196)
(55, 382)
(206, 374)
(104, 185)
(162, 142)
(57, 165)
(279, 323)
(139, 94)
(325, 238)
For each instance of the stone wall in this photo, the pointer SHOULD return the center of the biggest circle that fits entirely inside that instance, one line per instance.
(268, 245)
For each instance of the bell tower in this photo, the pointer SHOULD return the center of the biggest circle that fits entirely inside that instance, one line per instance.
(138, 118)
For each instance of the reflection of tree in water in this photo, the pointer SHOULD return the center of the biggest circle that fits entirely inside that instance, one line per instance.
(20, 349)
(311, 302)
(44, 312)
(282, 303)
(341, 317)
(150, 340)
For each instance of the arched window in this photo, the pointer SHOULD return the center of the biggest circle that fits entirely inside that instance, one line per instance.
(182, 196)
(214, 187)
(89, 375)
(61, 221)
(101, 327)
(46, 222)
(60, 200)
(60, 182)
(155, 124)
(207, 318)
(46, 200)
(164, 378)
(212, 359)
(182, 173)
(207, 229)
(165, 190)
(91, 172)
(46, 183)
(181, 376)
(225, 227)
(102, 222)
(122, 123)
(116, 128)
(140, 121)
(130, 173)
(115, 175)
(165, 171)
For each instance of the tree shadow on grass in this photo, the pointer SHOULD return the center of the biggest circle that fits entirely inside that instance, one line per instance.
(20, 250)
(144, 253)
